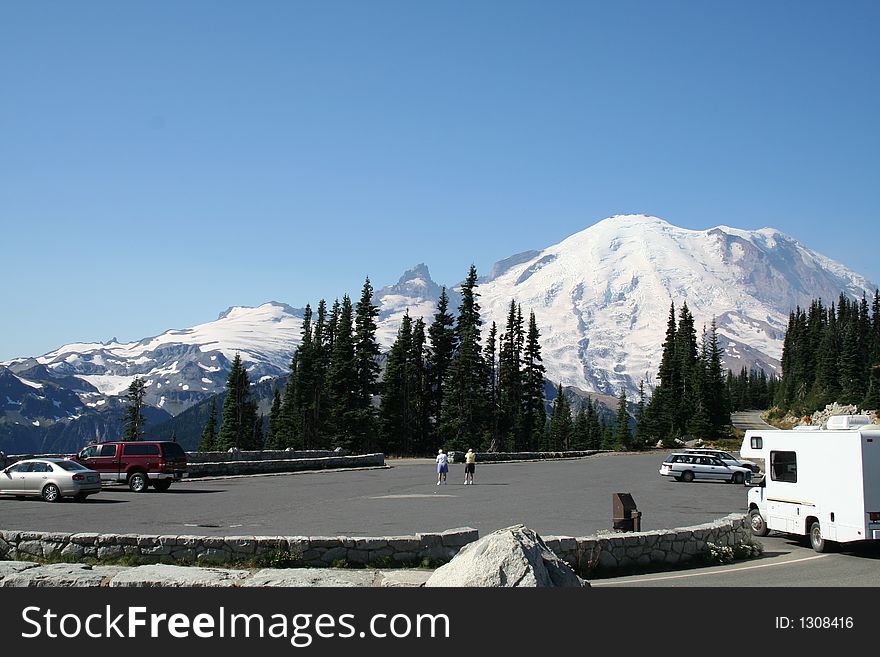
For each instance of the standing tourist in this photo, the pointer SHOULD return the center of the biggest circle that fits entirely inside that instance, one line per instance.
(442, 466)
(470, 460)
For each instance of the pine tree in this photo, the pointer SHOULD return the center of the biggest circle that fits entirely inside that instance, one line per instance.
(417, 376)
(581, 436)
(492, 401)
(871, 402)
(305, 380)
(239, 410)
(209, 433)
(133, 419)
(622, 436)
(273, 432)
(367, 354)
(559, 434)
(342, 381)
(395, 407)
(534, 412)
(462, 417)
(441, 340)
(257, 441)
(638, 436)
(595, 429)
(285, 435)
(511, 383)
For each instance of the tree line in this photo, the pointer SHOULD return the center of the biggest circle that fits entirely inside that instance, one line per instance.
(442, 385)
(692, 396)
(831, 354)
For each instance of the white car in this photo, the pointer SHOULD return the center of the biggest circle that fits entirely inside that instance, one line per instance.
(684, 466)
(727, 457)
(50, 479)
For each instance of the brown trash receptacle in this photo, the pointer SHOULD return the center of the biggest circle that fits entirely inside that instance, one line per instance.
(626, 516)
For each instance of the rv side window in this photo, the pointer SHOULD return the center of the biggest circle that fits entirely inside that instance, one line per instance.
(757, 442)
(783, 466)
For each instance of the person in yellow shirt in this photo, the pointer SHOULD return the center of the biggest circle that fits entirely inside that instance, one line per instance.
(470, 460)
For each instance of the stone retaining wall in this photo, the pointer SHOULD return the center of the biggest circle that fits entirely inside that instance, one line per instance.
(240, 463)
(652, 548)
(494, 457)
(227, 468)
(262, 455)
(312, 551)
(605, 552)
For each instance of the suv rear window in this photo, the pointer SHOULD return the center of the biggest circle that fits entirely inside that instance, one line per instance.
(173, 449)
(136, 449)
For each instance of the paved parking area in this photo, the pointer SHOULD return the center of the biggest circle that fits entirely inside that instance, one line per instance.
(552, 497)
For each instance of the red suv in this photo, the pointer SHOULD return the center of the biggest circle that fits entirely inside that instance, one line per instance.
(138, 463)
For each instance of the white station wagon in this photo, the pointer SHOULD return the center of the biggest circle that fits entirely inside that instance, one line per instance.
(683, 466)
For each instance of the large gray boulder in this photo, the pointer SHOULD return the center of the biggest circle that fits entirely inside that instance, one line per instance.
(515, 556)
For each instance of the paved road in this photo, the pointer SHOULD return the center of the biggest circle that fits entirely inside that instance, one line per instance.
(787, 561)
(746, 420)
(552, 497)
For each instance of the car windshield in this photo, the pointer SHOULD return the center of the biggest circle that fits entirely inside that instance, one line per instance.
(69, 465)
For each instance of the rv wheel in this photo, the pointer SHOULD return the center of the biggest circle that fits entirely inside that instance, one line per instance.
(818, 543)
(756, 521)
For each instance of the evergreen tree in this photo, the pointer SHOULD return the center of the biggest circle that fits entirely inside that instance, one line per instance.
(581, 436)
(342, 382)
(595, 430)
(417, 376)
(285, 435)
(511, 380)
(273, 432)
(257, 441)
(239, 410)
(463, 415)
(133, 420)
(559, 434)
(871, 402)
(302, 413)
(209, 433)
(640, 413)
(395, 409)
(622, 436)
(718, 402)
(534, 413)
(441, 339)
(367, 354)
(318, 401)
(492, 401)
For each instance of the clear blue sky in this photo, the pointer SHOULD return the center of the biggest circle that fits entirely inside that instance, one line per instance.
(160, 161)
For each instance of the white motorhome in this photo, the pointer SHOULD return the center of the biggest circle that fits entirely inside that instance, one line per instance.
(821, 482)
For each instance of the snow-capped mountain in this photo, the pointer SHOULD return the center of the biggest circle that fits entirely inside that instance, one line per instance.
(601, 298)
(180, 367)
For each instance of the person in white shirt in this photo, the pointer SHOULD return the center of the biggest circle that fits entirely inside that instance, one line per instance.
(442, 466)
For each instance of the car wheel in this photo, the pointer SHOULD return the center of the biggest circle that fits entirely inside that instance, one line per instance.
(757, 524)
(137, 482)
(51, 493)
(818, 543)
(687, 476)
(162, 485)
(738, 478)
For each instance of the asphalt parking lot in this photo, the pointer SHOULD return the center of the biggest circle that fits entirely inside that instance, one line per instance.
(571, 497)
